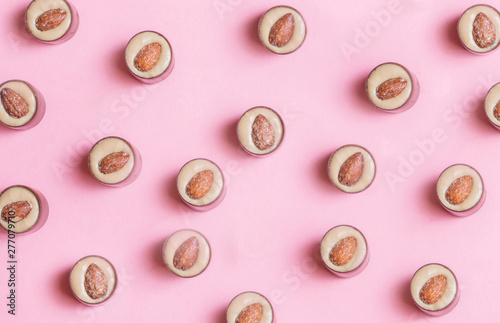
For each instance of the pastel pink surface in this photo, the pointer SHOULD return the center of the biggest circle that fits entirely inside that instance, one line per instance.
(266, 233)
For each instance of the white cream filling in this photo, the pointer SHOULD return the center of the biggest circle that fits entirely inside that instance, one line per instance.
(337, 160)
(270, 18)
(105, 147)
(451, 174)
(192, 168)
(383, 73)
(335, 235)
(174, 242)
(243, 300)
(245, 129)
(423, 275)
(465, 26)
(38, 7)
(491, 101)
(138, 42)
(77, 278)
(16, 194)
(29, 97)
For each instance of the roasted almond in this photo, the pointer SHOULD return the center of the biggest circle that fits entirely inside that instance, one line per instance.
(50, 19)
(147, 57)
(199, 184)
(282, 31)
(391, 88)
(459, 190)
(185, 256)
(343, 251)
(483, 31)
(250, 314)
(496, 111)
(113, 162)
(16, 211)
(13, 103)
(433, 289)
(96, 283)
(351, 170)
(262, 133)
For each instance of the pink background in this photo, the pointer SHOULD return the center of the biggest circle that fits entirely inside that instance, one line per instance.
(265, 234)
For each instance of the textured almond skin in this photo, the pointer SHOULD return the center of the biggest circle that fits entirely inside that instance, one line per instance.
(113, 162)
(199, 184)
(483, 31)
(250, 314)
(351, 170)
(262, 133)
(282, 30)
(147, 57)
(433, 289)
(459, 190)
(16, 211)
(391, 88)
(96, 283)
(496, 111)
(185, 256)
(343, 251)
(50, 19)
(13, 103)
